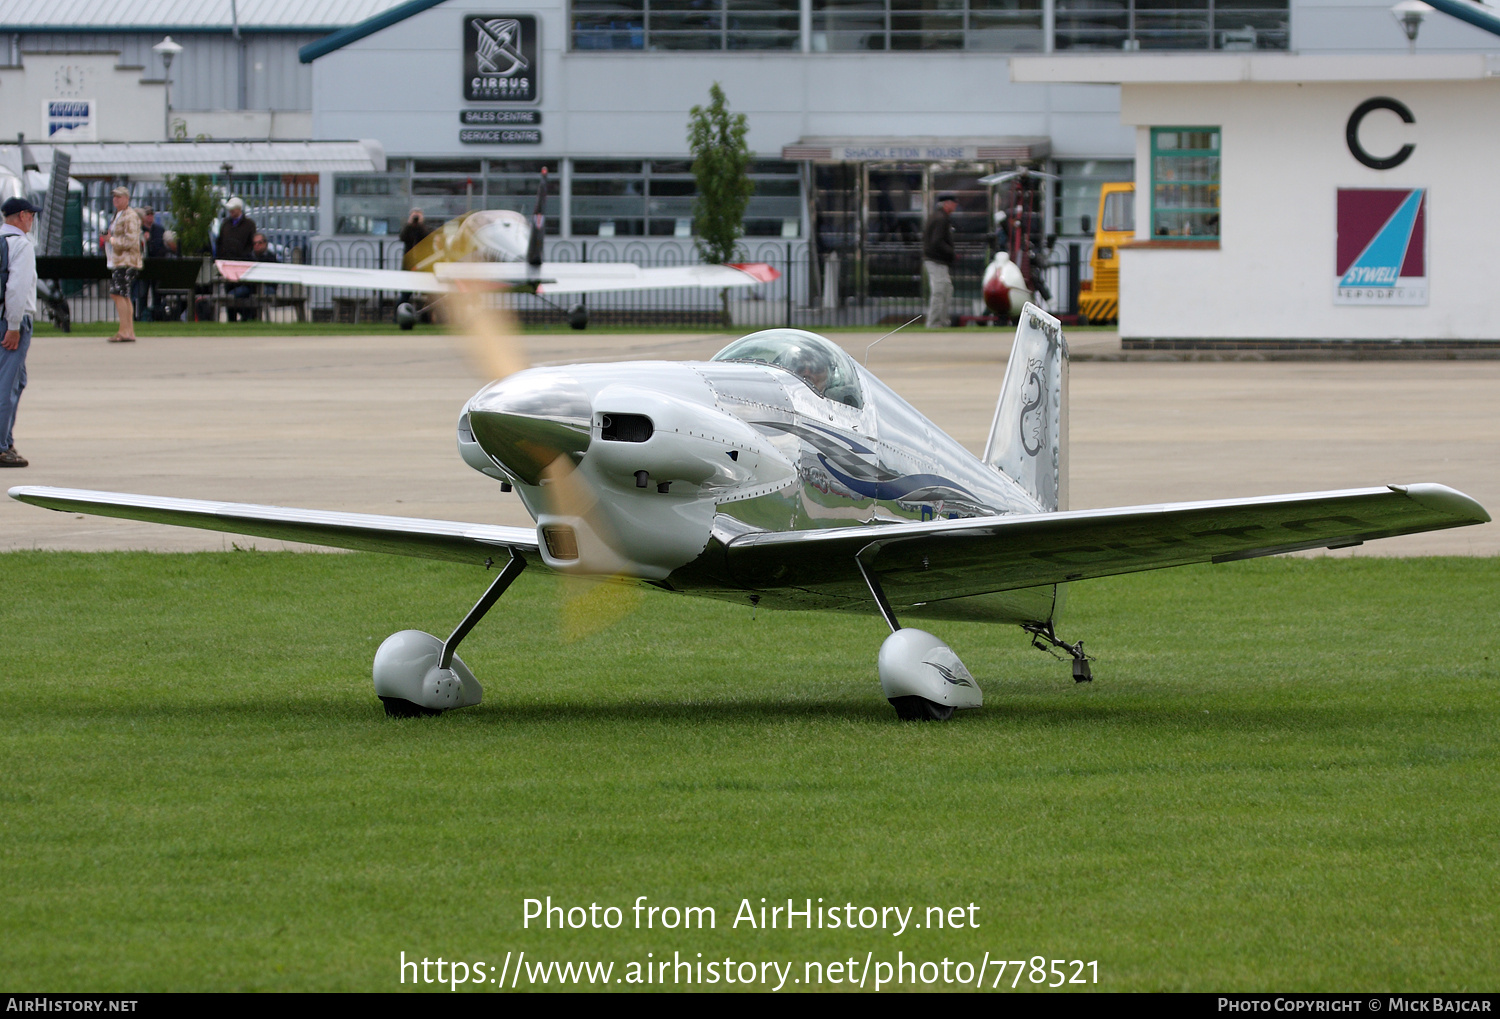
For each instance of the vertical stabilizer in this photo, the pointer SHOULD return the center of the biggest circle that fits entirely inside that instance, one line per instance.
(1029, 437)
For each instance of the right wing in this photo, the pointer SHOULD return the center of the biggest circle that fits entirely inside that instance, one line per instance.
(941, 560)
(332, 276)
(454, 541)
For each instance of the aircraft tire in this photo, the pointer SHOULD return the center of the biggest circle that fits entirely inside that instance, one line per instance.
(397, 707)
(918, 709)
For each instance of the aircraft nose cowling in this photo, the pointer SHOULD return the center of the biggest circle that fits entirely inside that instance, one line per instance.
(530, 419)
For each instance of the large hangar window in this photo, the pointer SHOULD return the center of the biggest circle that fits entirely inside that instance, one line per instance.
(685, 24)
(994, 25)
(1185, 183)
(378, 203)
(654, 197)
(1077, 192)
(1172, 25)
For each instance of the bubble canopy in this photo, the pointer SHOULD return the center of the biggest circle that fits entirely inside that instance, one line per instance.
(821, 364)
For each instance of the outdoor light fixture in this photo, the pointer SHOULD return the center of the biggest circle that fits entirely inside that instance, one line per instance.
(169, 49)
(1408, 13)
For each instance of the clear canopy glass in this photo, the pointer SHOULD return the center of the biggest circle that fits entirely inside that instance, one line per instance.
(822, 365)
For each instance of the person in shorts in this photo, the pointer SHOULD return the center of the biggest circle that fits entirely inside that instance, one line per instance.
(122, 253)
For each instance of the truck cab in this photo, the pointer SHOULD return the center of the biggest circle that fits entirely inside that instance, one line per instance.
(1100, 303)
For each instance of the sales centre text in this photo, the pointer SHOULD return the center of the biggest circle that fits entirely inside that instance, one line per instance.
(645, 915)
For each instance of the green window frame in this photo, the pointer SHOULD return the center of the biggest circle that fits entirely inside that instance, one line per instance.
(1185, 183)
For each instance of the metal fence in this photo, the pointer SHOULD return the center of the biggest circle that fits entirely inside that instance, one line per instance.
(812, 292)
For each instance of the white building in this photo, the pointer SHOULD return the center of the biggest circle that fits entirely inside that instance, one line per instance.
(860, 111)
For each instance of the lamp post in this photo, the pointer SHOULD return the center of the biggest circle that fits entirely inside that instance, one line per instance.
(1408, 14)
(168, 49)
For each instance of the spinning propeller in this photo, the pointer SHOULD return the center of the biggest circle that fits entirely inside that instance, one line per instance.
(541, 448)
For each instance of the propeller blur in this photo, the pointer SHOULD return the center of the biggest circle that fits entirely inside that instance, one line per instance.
(783, 474)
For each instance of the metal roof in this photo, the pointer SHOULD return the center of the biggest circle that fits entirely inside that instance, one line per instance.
(186, 15)
(371, 25)
(149, 160)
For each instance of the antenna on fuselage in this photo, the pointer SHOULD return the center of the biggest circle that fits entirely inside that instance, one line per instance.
(893, 332)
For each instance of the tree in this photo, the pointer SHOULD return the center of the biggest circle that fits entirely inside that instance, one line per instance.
(721, 163)
(195, 206)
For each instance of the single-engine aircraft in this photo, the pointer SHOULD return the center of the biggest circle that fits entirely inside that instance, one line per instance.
(503, 249)
(782, 473)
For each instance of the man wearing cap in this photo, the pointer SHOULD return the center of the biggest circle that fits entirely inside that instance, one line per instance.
(237, 242)
(122, 254)
(16, 313)
(937, 259)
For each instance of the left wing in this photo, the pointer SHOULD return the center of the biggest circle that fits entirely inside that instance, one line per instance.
(597, 277)
(477, 544)
(946, 559)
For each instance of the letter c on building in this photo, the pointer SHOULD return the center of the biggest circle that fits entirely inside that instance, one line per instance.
(1351, 132)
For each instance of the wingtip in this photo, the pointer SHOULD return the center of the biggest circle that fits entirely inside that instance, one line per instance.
(1446, 500)
(758, 271)
(232, 271)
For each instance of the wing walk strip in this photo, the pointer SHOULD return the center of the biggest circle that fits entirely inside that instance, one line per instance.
(454, 541)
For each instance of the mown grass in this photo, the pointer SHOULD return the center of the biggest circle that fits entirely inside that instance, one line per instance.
(1283, 778)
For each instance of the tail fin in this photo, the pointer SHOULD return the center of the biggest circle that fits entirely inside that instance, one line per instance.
(1029, 437)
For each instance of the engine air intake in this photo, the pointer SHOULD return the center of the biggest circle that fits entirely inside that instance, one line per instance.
(562, 543)
(625, 427)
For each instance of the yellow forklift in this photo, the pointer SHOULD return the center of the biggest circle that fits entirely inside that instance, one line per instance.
(1099, 299)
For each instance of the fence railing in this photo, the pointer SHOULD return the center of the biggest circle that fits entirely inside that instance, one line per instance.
(811, 292)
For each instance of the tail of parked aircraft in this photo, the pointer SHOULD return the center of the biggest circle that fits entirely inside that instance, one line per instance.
(1029, 437)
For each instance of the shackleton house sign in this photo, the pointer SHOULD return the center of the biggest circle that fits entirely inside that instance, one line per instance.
(500, 58)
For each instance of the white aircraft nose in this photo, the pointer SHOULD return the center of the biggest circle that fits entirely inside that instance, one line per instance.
(530, 419)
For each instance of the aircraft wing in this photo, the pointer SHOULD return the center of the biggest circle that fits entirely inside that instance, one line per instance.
(332, 276)
(454, 541)
(599, 277)
(939, 560)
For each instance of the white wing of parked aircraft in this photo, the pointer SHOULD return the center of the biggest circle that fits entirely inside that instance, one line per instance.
(783, 474)
(548, 278)
(500, 248)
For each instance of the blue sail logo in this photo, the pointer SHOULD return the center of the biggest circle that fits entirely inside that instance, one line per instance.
(1379, 264)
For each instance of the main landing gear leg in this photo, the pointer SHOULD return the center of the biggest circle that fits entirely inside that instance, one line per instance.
(1044, 638)
(418, 674)
(919, 674)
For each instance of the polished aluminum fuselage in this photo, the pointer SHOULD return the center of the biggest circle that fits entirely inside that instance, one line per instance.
(737, 447)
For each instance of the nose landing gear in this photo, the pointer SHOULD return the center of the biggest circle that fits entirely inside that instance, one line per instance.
(418, 674)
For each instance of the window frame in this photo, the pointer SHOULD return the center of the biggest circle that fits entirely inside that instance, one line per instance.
(1214, 182)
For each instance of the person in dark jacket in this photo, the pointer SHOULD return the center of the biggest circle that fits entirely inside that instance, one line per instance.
(236, 233)
(937, 259)
(237, 241)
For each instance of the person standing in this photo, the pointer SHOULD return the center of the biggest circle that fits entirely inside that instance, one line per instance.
(122, 254)
(237, 243)
(413, 231)
(154, 243)
(154, 235)
(937, 259)
(16, 314)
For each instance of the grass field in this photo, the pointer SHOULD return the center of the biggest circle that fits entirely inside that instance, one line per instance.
(1284, 777)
